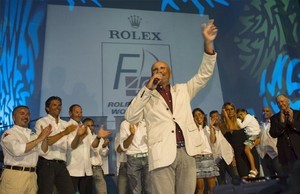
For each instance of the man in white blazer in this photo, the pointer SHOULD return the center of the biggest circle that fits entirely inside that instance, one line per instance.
(173, 137)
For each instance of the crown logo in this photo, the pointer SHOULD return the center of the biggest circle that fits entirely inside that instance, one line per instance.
(135, 21)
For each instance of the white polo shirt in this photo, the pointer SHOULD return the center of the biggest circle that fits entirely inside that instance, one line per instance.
(58, 150)
(98, 152)
(14, 142)
(139, 142)
(78, 159)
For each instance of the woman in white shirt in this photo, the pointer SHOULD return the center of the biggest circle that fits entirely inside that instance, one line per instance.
(206, 167)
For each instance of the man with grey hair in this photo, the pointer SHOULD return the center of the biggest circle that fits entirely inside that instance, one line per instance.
(21, 148)
(285, 126)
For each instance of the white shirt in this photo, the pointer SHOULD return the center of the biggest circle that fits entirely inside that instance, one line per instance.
(58, 150)
(78, 159)
(14, 142)
(267, 144)
(120, 157)
(221, 148)
(139, 141)
(250, 124)
(205, 138)
(98, 152)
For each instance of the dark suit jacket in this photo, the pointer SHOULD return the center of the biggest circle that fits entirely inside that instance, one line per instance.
(288, 136)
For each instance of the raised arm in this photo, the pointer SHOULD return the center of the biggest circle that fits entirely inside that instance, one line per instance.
(209, 33)
(41, 138)
(228, 123)
(53, 139)
(212, 128)
(101, 134)
(80, 135)
(129, 139)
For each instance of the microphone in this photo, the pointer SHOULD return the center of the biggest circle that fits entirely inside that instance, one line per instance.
(156, 80)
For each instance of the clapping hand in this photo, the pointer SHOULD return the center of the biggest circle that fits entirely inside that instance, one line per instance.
(69, 129)
(103, 133)
(45, 132)
(131, 129)
(82, 130)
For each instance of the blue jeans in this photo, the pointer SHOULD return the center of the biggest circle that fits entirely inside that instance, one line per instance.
(138, 175)
(99, 183)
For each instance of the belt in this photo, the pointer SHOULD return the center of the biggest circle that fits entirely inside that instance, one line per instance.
(204, 156)
(139, 155)
(180, 144)
(56, 161)
(123, 164)
(21, 168)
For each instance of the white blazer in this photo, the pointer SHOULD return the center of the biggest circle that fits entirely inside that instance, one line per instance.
(160, 121)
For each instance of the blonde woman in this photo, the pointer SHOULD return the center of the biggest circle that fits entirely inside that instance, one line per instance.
(236, 137)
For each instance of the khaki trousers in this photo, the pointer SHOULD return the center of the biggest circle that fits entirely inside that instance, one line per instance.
(18, 182)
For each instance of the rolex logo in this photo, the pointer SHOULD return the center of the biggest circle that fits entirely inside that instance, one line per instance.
(135, 21)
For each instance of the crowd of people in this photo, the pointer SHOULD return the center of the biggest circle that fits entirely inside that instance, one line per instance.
(59, 157)
(163, 146)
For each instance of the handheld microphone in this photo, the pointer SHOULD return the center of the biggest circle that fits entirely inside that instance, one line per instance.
(155, 81)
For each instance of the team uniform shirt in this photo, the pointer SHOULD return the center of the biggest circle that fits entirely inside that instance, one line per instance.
(58, 150)
(98, 152)
(78, 159)
(139, 142)
(14, 142)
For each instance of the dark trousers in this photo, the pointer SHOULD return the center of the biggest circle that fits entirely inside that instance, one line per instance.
(83, 184)
(230, 169)
(52, 173)
(271, 167)
(288, 164)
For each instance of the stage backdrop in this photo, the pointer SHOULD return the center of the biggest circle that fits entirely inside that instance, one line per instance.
(101, 64)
